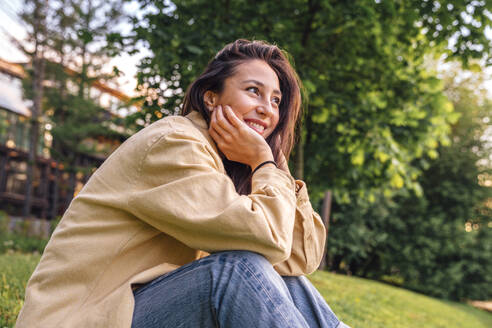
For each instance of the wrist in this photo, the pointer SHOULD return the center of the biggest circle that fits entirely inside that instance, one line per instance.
(264, 164)
(261, 159)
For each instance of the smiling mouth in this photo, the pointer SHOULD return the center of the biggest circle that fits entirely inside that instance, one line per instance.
(257, 127)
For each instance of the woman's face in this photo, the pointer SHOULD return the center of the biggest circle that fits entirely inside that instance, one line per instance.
(253, 93)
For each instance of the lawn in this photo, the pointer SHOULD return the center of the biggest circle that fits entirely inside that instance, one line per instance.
(15, 270)
(363, 303)
(360, 303)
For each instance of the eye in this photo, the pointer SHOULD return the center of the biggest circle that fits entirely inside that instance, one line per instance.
(255, 90)
(276, 100)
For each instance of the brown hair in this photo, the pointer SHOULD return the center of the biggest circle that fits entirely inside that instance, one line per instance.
(221, 67)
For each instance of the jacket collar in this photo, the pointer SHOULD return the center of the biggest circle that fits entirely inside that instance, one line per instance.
(197, 119)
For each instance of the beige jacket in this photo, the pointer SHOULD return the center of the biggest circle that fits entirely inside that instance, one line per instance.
(162, 200)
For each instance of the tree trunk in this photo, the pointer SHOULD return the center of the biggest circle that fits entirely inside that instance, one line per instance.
(71, 189)
(56, 196)
(72, 181)
(45, 183)
(38, 68)
(325, 216)
(313, 7)
(4, 161)
(299, 160)
(31, 164)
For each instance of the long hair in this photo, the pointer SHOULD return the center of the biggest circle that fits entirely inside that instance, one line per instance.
(221, 67)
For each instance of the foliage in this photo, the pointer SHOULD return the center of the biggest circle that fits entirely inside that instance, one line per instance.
(438, 244)
(358, 302)
(75, 120)
(372, 103)
(376, 119)
(34, 15)
(80, 42)
(453, 220)
(21, 243)
(19, 240)
(4, 222)
(81, 49)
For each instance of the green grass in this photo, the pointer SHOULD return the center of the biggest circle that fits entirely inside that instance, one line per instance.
(360, 303)
(15, 270)
(363, 303)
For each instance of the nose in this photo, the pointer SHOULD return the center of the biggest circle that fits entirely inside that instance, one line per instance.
(265, 108)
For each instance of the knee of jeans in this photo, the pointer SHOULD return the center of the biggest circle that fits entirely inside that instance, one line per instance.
(297, 282)
(240, 257)
(242, 266)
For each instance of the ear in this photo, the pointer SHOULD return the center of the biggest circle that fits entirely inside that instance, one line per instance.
(210, 99)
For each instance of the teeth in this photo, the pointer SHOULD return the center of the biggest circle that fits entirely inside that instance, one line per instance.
(256, 126)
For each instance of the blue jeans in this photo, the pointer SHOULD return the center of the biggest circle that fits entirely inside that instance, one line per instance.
(237, 289)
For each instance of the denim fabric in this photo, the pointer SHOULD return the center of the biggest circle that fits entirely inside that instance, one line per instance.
(237, 289)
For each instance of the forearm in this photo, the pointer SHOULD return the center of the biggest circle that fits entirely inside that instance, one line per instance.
(308, 240)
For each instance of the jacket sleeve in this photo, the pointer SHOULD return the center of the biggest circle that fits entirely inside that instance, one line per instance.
(181, 191)
(309, 238)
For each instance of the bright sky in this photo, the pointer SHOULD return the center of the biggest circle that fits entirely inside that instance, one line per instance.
(13, 25)
(126, 63)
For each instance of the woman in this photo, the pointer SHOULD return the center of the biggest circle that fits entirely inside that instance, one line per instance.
(190, 223)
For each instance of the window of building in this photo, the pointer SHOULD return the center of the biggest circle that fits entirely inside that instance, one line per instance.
(16, 177)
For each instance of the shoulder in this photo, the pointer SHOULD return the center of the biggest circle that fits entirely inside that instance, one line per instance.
(175, 139)
(169, 142)
(168, 128)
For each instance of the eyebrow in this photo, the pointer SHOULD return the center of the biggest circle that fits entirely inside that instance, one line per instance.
(276, 91)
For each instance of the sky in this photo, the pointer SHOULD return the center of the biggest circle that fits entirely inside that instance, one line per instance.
(126, 63)
(9, 22)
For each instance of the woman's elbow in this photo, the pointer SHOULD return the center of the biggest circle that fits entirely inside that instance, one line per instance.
(279, 253)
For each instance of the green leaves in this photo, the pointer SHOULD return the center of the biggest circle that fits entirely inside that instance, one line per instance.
(321, 116)
(376, 119)
(357, 157)
(437, 222)
(194, 49)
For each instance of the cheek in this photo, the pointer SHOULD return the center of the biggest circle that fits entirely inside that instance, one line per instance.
(275, 120)
(242, 105)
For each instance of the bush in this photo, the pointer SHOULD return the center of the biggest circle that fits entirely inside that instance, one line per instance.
(20, 243)
(20, 239)
(4, 222)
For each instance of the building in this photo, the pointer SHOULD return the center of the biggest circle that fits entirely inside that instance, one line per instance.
(50, 182)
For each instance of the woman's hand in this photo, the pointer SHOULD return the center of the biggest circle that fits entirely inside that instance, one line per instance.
(236, 139)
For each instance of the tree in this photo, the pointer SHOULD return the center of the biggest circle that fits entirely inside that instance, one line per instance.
(372, 103)
(375, 117)
(35, 15)
(457, 218)
(438, 244)
(83, 46)
(78, 39)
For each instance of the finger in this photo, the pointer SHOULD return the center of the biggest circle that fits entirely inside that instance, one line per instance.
(217, 138)
(215, 125)
(222, 143)
(212, 120)
(231, 116)
(223, 121)
(213, 128)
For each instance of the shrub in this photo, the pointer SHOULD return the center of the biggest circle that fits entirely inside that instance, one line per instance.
(21, 243)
